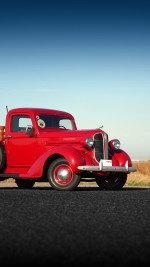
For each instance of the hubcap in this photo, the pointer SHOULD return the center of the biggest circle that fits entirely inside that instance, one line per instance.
(63, 174)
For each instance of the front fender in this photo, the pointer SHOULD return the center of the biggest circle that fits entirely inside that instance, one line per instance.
(120, 157)
(73, 157)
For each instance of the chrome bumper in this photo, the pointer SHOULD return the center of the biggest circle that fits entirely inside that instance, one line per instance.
(108, 168)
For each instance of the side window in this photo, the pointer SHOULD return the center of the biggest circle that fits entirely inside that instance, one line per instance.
(20, 122)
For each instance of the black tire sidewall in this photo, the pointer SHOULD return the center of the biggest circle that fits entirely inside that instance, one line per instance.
(24, 183)
(2, 157)
(116, 186)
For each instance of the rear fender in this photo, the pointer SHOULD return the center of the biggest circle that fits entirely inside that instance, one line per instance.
(73, 157)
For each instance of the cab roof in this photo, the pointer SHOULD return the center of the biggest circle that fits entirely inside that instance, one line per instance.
(37, 111)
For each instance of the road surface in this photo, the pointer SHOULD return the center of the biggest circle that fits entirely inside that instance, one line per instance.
(86, 226)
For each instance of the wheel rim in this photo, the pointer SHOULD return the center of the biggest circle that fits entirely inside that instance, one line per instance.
(63, 174)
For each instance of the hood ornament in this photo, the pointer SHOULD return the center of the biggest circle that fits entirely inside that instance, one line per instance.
(100, 127)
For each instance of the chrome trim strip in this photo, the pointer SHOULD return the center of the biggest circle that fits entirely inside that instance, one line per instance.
(105, 145)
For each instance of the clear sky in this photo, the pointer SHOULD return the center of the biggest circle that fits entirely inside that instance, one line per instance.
(89, 58)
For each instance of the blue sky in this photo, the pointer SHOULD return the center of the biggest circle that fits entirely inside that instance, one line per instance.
(89, 58)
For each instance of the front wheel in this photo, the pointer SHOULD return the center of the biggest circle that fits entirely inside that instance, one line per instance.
(114, 181)
(61, 176)
(25, 183)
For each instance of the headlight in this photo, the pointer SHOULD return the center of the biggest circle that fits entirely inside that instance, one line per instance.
(114, 144)
(89, 142)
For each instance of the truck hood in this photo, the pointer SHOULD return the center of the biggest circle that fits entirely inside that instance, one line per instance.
(67, 136)
(68, 133)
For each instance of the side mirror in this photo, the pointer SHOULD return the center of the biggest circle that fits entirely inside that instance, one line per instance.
(30, 130)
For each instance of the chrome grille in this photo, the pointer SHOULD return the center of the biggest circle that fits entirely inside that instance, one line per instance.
(98, 141)
(101, 146)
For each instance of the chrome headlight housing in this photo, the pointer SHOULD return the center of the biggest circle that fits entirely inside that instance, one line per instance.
(89, 142)
(114, 144)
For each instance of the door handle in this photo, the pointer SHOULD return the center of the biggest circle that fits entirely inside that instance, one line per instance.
(8, 136)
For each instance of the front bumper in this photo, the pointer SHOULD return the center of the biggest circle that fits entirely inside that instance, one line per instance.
(106, 166)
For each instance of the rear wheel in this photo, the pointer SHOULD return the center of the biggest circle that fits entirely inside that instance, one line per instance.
(61, 176)
(114, 181)
(2, 157)
(25, 183)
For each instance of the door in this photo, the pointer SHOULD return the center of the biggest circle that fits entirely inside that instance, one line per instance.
(21, 149)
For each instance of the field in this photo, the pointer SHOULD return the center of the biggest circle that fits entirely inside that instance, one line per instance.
(142, 176)
(139, 178)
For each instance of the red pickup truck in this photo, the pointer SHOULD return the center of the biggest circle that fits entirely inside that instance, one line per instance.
(39, 144)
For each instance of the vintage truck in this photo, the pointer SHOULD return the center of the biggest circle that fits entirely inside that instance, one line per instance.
(38, 144)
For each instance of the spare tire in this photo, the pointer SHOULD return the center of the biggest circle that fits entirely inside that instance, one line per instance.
(2, 157)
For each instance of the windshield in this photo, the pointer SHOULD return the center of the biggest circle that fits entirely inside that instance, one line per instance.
(53, 121)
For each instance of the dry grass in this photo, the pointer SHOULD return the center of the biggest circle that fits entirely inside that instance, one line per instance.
(139, 178)
(9, 180)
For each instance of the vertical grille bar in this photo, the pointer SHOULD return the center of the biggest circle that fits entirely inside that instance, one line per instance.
(105, 146)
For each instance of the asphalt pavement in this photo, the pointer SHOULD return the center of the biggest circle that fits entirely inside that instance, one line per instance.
(86, 226)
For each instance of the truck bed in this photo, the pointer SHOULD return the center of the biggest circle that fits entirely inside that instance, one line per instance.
(2, 133)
